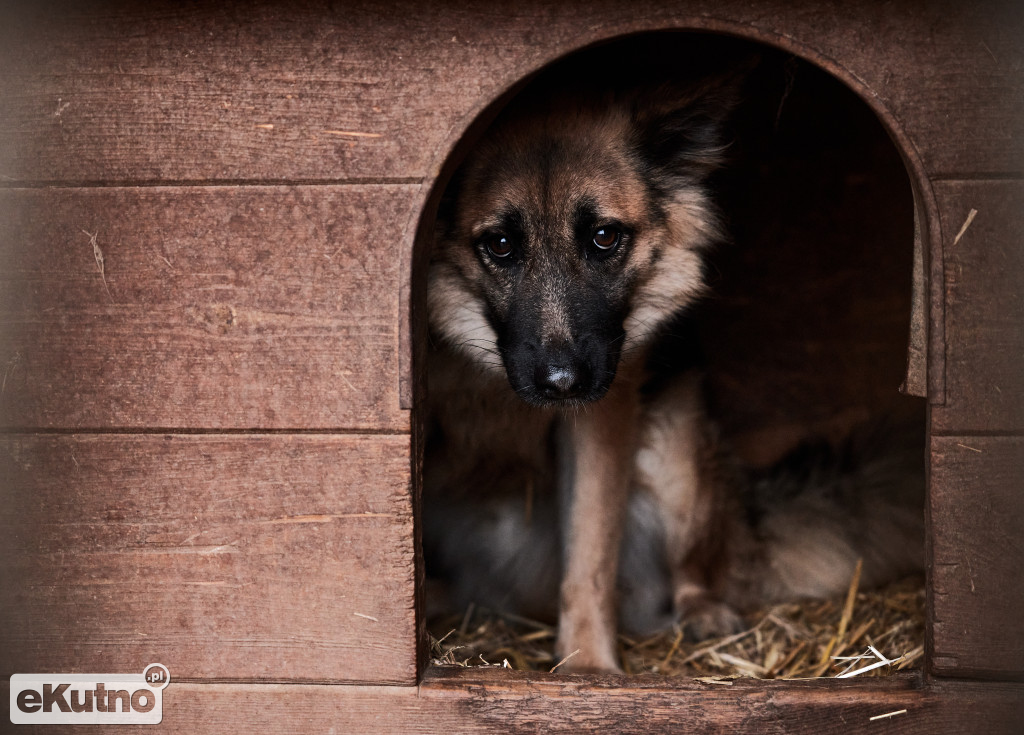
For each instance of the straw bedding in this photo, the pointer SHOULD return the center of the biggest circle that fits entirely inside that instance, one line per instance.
(861, 633)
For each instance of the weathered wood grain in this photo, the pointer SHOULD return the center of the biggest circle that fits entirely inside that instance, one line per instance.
(214, 308)
(478, 701)
(494, 700)
(977, 517)
(229, 91)
(223, 557)
(984, 284)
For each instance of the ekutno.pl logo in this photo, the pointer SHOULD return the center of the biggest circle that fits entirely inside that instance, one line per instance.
(89, 699)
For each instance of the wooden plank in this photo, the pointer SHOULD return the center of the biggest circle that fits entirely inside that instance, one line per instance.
(275, 557)
(528, 703)
(229, 91)
(984, 275)
(215, 307)
(479, 701)
(977, 513)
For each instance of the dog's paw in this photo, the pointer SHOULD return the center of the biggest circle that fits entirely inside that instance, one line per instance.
(586, 643)
(586, 657)
(711, 619)
(580, 664)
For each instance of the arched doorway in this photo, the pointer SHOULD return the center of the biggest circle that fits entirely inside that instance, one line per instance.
(816, 290)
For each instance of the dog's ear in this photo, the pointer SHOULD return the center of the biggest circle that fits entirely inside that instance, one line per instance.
(681, 129)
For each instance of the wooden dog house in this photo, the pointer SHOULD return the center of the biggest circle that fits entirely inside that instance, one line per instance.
(212, 279)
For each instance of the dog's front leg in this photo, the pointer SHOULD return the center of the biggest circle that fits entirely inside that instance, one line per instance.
(600, 443)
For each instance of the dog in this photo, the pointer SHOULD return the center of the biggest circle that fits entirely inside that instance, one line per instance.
(559, 472)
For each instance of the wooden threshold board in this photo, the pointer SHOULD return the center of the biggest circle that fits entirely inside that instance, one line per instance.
(471, 701)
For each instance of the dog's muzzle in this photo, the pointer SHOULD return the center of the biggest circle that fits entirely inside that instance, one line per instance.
(567, 373)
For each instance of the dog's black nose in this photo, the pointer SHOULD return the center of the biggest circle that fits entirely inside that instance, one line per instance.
(559, 380)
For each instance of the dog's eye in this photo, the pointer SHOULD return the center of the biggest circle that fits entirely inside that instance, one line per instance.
(607, 238)
(499, 246)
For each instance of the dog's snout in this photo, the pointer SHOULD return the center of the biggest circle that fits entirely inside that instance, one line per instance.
(560, 379)
(559, 371)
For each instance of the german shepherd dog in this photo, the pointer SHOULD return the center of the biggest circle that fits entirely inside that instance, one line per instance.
(558, 474)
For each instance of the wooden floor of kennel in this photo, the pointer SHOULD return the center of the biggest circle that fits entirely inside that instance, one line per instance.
(208, 227)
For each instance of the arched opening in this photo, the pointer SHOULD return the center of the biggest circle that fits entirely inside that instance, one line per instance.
(812, 314)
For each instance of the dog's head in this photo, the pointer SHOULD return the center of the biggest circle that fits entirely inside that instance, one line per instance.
(572, 233)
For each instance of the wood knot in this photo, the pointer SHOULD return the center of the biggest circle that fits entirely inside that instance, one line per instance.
(219, 318)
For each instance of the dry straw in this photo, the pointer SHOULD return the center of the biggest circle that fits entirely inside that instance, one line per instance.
(861, 633)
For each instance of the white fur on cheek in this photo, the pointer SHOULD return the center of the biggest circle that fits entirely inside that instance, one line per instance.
(677, 278)
(458, 317)
(676, 283)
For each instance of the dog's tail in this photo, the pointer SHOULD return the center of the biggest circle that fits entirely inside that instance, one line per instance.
(823, 508)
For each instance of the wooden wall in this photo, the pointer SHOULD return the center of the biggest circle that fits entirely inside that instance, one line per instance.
(207, 223)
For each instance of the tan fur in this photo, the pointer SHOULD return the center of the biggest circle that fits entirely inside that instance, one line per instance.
(603, 441)
(680, 466)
